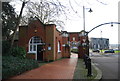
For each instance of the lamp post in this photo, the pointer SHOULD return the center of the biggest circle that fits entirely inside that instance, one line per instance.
(90, 10)
(84, 33)
(101, 43)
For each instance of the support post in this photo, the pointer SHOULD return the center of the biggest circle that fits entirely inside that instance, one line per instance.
(89, 67)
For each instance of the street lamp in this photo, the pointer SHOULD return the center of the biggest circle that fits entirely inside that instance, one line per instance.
(90, 10)
(89, 60)
(111, 24)
(102, 25)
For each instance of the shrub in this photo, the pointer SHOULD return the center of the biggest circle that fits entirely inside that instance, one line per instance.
(12, 66)
(15, 51)
(5, 47)
(74, 50)
(18, 52)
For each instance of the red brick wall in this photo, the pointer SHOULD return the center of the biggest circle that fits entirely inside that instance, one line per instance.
(31, 56)
(35, 28)
(47, 33)
(36, 25)
(83, 49)
(49, 36)
(58, 38)
(76, 35)
(22, 37)
(65, 50)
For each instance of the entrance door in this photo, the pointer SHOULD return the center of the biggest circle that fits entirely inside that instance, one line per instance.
(39, 52)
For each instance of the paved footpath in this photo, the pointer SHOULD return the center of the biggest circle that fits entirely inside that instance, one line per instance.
(61, 69)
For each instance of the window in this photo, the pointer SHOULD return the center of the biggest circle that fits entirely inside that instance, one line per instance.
(59, 47)
(73, 38)
(34, 41)
(34, 47)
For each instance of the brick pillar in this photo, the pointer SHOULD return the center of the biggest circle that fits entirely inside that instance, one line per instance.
(83, 47)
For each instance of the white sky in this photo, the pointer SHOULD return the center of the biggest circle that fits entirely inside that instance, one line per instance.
(101, 14)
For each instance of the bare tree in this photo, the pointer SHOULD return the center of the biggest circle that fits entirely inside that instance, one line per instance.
(48, 12)
(80, 3)
(18, 21)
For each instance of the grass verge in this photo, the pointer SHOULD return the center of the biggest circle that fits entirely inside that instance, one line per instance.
(81, 72)
(74, 50)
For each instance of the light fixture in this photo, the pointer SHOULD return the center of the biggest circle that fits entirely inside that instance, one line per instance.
(35, 31)
(111, 24)
(90, 10)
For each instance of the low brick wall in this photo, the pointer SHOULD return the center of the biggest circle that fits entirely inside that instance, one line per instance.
(30, 55)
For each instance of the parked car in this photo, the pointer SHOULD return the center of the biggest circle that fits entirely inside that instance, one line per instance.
(96, 50)
(109, 51)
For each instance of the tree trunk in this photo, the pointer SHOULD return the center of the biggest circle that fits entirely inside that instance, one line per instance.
(17, 24)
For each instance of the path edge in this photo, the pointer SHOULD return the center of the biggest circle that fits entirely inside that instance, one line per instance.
(99, 73)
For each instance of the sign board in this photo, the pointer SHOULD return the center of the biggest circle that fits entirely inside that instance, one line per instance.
(49, 48)
(63, 45)
(84, 40)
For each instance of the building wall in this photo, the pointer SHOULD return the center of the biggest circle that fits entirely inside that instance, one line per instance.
(83, 47)
(74, 39)
(49, 35)
(66, 48)
(22, 36)
(53, 40)
(35, 28)
(99, 43)
(72, 35)
(58, 38)
(81, 42)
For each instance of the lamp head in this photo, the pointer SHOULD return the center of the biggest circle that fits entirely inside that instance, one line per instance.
(111, 24)
(90, 10)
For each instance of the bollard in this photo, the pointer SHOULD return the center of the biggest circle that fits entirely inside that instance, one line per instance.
(89, 67)
(85, 60)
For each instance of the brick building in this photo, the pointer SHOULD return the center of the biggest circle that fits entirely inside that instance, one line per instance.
(43, 42)
(79, 40)
(99, 43)
(74, 39)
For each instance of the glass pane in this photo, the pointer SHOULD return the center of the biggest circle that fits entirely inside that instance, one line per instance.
(34, 40)
(37, 40)
(58, 46)
(30, 47)
(34, 47)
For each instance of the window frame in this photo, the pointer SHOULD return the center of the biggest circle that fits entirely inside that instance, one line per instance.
(33, 42)
(59, 47)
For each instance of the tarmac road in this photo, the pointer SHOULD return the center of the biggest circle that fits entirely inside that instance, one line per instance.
(108, 64)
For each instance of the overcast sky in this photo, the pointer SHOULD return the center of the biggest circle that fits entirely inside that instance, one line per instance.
(103, 11)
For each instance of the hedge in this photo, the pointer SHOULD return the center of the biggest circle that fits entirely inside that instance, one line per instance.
(74, 50)
(12, 66)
